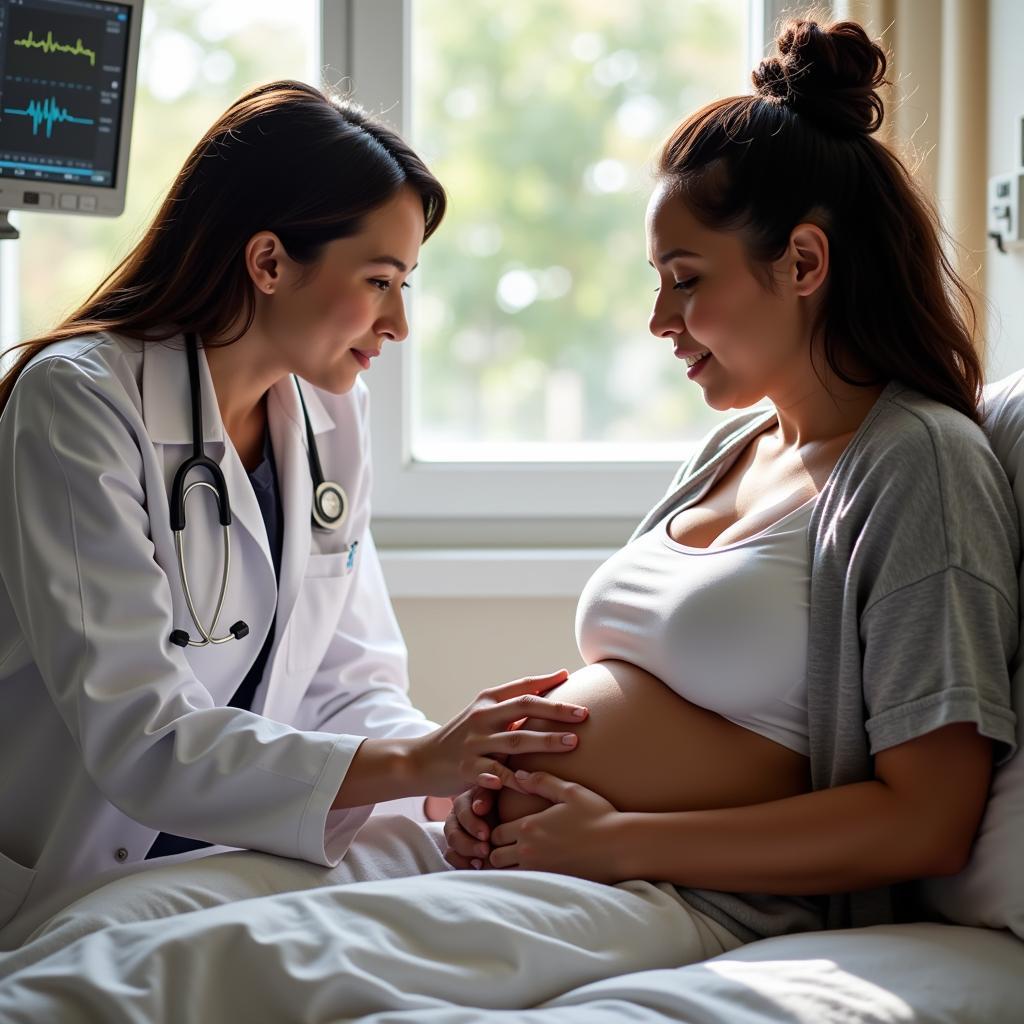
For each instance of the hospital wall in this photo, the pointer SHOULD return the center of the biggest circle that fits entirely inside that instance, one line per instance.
(1005, 273)
(457, 647)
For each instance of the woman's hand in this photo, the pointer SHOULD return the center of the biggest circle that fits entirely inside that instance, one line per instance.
(467, 829)
(464, 752)
(580, 834)
(436, 808)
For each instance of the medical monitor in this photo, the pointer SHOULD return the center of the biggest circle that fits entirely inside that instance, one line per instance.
(67, 90)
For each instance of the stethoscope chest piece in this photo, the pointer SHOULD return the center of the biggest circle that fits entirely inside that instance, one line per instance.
(330, 505)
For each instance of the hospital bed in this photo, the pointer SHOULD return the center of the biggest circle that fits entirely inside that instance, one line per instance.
(245, 935)
(249, 936)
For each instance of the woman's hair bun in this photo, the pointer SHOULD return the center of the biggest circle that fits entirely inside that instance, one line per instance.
(829, 74)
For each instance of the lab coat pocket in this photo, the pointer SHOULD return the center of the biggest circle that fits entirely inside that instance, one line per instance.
(335, 563)
(318, 608)
(15, 882)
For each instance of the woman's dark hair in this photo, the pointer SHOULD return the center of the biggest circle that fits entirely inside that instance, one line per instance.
(286, 158)
(801, 150)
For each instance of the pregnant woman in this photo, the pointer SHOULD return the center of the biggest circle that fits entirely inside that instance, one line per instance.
(796, 667)
(817, 617)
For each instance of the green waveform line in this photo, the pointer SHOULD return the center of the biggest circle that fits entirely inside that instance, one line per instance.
(49, 45)
(49, 111)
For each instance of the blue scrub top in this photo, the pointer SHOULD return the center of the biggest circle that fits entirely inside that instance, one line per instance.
(264, 482)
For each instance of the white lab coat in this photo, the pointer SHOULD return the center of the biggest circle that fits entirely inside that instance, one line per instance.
(108, 732)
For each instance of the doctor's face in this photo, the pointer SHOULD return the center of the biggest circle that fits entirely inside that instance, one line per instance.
(328, 326)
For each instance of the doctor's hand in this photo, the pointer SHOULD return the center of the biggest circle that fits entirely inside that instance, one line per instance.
(465, 751)
(467, 829)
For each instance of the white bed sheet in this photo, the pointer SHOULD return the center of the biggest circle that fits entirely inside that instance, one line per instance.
(888, 974)
(255, 937)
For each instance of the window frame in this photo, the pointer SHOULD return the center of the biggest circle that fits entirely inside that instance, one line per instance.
(10, 305)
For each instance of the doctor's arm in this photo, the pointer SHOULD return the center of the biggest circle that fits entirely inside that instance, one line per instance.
(95, 610)
(361, 686)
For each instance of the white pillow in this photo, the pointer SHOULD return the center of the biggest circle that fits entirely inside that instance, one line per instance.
(989, 892)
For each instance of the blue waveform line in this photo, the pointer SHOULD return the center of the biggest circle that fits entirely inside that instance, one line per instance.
(48, 111)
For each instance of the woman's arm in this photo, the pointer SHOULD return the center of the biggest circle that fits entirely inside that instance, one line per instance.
(917, 818)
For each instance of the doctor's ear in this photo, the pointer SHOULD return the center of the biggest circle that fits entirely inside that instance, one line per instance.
(265, 258)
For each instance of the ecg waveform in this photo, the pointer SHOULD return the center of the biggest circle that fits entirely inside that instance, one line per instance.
(49, 112)
(50, 45)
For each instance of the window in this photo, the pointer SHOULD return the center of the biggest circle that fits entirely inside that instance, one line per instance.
(541, 118)
(530, 406)
(529, 391)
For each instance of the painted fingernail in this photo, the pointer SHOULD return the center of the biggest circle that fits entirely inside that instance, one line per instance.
(522, 774)
(477, 863)
(579, 712)
(482, 850)
(481, 835)
(569, 739)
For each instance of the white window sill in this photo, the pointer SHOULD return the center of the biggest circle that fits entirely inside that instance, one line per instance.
(492, 572)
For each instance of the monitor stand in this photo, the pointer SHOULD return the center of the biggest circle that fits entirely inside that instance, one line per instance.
(7, 229)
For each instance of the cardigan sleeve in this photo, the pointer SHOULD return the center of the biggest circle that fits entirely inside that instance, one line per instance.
(935, 652)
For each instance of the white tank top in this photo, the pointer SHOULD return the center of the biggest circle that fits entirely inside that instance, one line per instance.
(726, 628)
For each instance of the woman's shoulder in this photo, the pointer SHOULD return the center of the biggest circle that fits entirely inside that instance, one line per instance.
(925, 481)
(925, 437)
(100, 355)
(77, 390)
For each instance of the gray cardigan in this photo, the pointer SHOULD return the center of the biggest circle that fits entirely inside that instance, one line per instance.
(914, 549)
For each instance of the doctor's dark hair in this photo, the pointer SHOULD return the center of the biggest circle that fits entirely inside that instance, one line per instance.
(802, 150)
(285, 157)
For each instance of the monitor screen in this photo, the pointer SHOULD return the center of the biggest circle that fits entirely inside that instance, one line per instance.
(62, 86)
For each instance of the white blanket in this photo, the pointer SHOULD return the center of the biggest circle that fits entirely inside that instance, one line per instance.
(248, 936)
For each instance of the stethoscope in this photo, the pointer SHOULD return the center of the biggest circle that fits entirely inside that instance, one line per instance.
(330, 506)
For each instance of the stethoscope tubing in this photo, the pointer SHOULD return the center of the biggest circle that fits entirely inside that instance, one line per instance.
(208, 637)
(330, 507)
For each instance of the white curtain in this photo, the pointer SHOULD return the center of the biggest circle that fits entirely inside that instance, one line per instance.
(936, 111)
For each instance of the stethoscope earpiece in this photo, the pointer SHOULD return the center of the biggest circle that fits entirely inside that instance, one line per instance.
(181, 638)
(330, 506)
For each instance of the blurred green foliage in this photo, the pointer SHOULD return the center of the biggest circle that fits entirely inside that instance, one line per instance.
(542, 120)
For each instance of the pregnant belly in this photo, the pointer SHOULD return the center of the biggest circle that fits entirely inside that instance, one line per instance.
(645, 748)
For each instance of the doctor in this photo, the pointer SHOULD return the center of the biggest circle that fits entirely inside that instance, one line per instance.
(199, 657)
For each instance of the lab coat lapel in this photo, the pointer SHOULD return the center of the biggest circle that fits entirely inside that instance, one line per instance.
(288, 436)
(287, 433)
(168, 413)
(251, 593)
